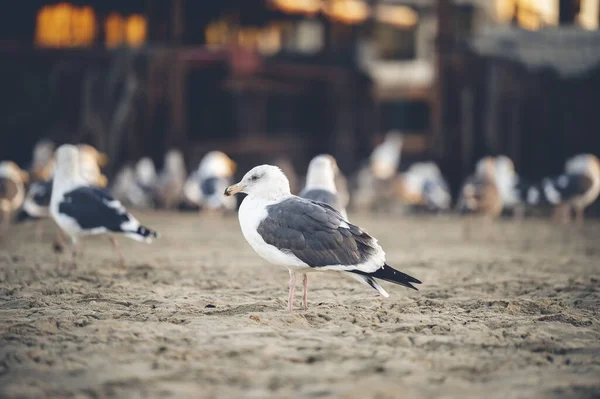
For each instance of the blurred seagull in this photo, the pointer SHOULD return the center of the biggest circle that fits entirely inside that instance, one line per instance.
(81, 210)
(306, 236)
(385, 158)
(136, 186)
(12, 189)
(42, 163)
(575, 189)
(480, 194)
(510, 186)
(423, 185)
(205, 186)
(171, 180)
(320, 183)
(37, 199)
(145, 174)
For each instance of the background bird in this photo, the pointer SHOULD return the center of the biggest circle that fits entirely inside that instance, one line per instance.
(205, 186)
(321, 183)
(42, 162)
(12, 190)
(479, 195)
(136, 186)
(171, 180)
(385, 158)
(423, 185)
(575, 189)
(306, 236)
(80, 209)
(374, 182)
(510, 185)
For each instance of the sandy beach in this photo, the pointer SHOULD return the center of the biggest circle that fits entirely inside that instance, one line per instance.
(510, 314)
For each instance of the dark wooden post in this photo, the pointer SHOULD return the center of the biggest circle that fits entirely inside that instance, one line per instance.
(177, 24)
(568, 11)
(444, 44)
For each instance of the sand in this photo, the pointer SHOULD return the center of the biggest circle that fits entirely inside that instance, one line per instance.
(197, 314)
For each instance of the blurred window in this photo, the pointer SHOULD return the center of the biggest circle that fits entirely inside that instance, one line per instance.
(65, 25)
(120, 31)
(68, 25)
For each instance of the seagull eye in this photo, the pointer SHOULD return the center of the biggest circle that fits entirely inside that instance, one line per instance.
(254, 178)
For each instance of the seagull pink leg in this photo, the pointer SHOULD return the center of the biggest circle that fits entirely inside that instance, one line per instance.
(117, 247)
(305, 292)
(290, 307)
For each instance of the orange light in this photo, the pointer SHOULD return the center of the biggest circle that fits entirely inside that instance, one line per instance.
(347, 11)
(400, 16)
(136, 30)
(114, 30)
(309, 7)
(65, 25)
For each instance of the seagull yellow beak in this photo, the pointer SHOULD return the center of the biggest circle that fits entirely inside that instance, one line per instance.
(234, 189)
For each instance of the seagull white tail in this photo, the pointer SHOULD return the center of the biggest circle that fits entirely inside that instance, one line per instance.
(367, 280)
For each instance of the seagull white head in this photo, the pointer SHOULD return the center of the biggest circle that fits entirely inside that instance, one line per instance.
(264, 181)
(145, 171)
(584, 163)
(216, 164)
(321, 173)
(174, 162)
(486, 168)
(43, 152)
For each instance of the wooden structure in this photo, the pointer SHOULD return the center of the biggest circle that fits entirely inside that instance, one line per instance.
(175, 92)
(530, 95)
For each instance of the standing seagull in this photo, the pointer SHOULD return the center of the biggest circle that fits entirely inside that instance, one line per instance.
(42, 163)
(81, 210)
(12, 189)
(320, 183)
(305, 236)
(385, 158)
(171, 180)
(205, 186)
(577, 188)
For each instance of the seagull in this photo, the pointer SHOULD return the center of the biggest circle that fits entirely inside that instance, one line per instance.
(136, 186)
(306, 236)
(577, 188)
(80, 209)
(205, 186)
(171, 180)
(479, 195)
(373, 180)
(423, 185)
(37, 200)
(320, 183)
(510, 186)
(385, 158)
(145, 174)
(42, 162)
(12, 189)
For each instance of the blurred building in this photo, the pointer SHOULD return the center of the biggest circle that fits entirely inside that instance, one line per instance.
(261, 78)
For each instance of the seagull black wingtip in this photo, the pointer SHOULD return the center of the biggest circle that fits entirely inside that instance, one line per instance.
(388, 273)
